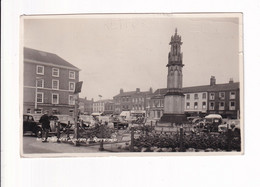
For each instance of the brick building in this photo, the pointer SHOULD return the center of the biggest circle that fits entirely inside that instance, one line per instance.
(86, 106)
(214, 98)
(105, 106)
(52, 78)
(135, 101)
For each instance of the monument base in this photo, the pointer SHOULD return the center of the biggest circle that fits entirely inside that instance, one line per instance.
(173, 118)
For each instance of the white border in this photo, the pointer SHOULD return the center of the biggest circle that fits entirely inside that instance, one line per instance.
(212, 171)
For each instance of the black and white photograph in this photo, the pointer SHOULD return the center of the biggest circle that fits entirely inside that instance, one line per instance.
(131, 84)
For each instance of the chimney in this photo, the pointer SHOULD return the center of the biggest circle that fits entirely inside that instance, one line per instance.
(212, 80)
(151, 90)
(137, 90)
(85, 98)
(121, 91)
(231, 80)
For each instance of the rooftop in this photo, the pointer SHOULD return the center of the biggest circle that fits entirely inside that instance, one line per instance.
(46, 57)
(205, 88)
(131, 93)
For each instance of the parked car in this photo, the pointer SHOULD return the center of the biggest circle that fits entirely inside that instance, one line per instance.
(88, 121)
(234, 125)
(120, 122)
(212, 121)
(194, 119)
(66, 122)
(31, 126)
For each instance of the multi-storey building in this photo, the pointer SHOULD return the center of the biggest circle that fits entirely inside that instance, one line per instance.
(202, 100)
(224, 99)
(105, 106)
(157, 103)
(86, 106)
(135, 101)
(49, 83)
(195, 100)
(109, 107)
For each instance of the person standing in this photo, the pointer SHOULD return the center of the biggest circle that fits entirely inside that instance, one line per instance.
(44, 120)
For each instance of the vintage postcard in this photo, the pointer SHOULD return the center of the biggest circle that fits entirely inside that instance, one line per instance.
(134, 84)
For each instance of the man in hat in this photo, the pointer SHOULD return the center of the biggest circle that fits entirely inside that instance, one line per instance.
(44, 120)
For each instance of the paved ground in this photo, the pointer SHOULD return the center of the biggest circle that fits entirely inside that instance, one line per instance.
(33, 145)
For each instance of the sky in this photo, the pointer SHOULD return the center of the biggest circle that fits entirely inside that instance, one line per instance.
(131, 51)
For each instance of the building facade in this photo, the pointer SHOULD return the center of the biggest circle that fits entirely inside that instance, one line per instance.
(215, 98)
(135, 101)
(224, 99)
(49, 83)
(105, 106)
(86, 106)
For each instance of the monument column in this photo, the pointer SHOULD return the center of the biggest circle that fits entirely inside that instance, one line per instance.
(174, 98)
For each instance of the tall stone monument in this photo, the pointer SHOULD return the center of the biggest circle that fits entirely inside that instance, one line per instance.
(174, 98)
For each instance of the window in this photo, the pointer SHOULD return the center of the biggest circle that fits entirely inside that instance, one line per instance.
(222, 105)
(187, 105)
(28, 111)
(71, 100)
(40, 70)
(55, 84)
(211, 106)
(221, 95)
(196, 105)
(39, 83)
(196, 96)
(232, 105)
(71, 86)
(232, 95)
(55, 72)
(188, 96)
(204, 96)
(71, 74)
(203, 105)
(39, 97)
(211, 96)
(55, 98)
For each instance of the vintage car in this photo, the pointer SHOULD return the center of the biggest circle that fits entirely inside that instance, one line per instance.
(212, 121)
(87, 121)
(119, 122)
(234, 125)
(209, 124)
(31, 126)
(66, 122)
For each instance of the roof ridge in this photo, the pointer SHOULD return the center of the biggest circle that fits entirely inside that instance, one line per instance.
(46, 57)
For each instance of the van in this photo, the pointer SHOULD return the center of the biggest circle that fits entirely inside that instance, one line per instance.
(212, 121)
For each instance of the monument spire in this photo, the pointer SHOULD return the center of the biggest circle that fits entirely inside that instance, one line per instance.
(174, 98)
